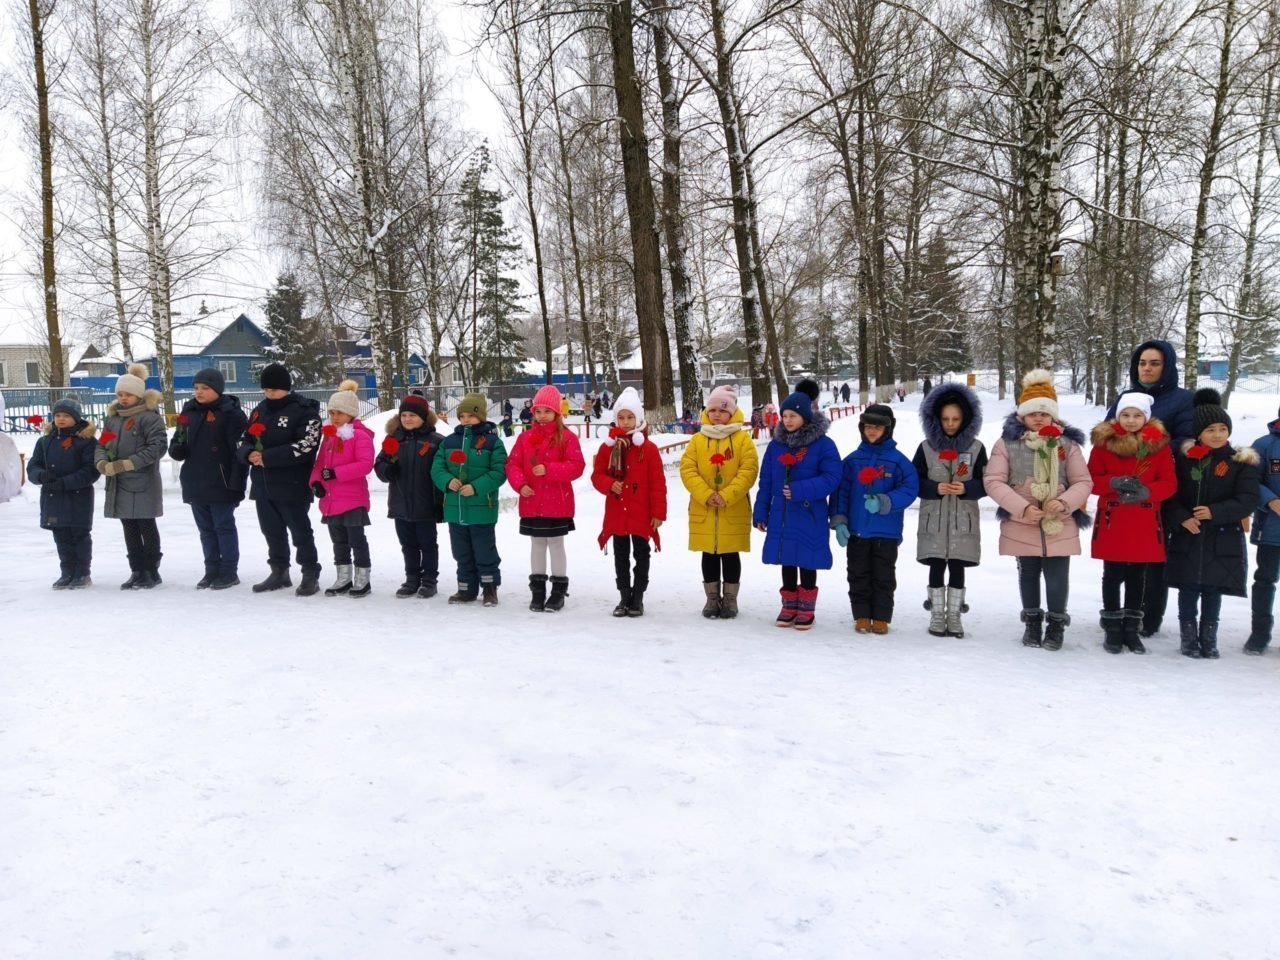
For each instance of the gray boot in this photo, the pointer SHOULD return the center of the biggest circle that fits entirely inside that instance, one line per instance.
(711, 609)
(955, 607)
(938, 611)
(729, 601)
(360, 585)
(343, 583)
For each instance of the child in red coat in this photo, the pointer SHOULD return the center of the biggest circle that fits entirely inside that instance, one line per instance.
(628, 471)
(1133, 474)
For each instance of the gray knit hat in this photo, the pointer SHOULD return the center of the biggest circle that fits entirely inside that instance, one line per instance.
(68, 405)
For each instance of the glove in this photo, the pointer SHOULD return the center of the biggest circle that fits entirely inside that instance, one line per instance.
(328, 474)
(318, 489)
(106, 467)
(842, 534)
(53, 485)
(124, 466)
(1130, 489)
(877, 503)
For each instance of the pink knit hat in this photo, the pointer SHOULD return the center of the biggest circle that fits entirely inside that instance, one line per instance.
(723, 397)
(548, 397)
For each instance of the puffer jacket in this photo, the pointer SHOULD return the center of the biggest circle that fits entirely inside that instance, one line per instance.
(1171, 403)
(949, 527)
(724, 529)
(62, 465)
(874, 468)
(1130, 532)
(483, 466)
(205, 443)
(140, 438)
(553, 491)
(289, 442)
(644, 489)
(796, 531)
(1008, 482)
(348, 452)
(1215, 557)
(1266, 524)
(411, 493)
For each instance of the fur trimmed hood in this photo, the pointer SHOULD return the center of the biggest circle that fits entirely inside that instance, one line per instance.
(931, 409)
(1104, 435)
(151, 400)
(806, 434)
(85, 429)
(1014, 430)
(1238, 454)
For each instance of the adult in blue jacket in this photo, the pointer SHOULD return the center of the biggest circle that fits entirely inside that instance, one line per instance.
(801, 469)
(877, 484)
(1153, 370)
(1265, 534)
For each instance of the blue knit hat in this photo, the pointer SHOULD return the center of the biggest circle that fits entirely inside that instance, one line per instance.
(800, 403)
(68, 405)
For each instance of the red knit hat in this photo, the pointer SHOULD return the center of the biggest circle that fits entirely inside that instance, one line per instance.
(413, 403)
(548, 397)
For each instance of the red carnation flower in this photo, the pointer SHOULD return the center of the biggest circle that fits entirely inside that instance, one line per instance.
(391, 446)
(617, 433)
(35, 419)
(787, 459)
(1151, 433)
(107, 437)
(182, 419)
(867, 475)
(457, 456)
(1117, 429)
(948, 455)
(1050, 430)
(329, 430)
(718, 458)
(257, 429)
(1198, 452)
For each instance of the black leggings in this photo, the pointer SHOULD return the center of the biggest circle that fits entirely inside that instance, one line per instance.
(721, 566)
(793, 577)
(1132, 576)
(622, 549)
(939, 568)
(349, 540)
(142, 544)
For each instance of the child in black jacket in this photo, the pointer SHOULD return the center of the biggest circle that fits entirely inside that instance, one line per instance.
(62, 465)
(413, 500)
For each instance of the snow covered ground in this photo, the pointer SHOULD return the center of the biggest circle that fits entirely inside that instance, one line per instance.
(222, 775)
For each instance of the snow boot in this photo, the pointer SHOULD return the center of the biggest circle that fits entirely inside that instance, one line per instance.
(1133, 631)
(343, 583)
(426, 591)
(880, 627)
(310, 584)
(955, 607)
(224, 581)
(79, 583)
(276, 579)
(63, 582)
(1113, 631)
(1033, 629)
(466, 594)
(489, 594)
(1189, 636)
(147, 578)
(729, 601)
(937, 607)
(806, 601)
(1055, 630)
(538, 590)
(790, 608)
(1260, 627)
(410, 586)
(135, 580)
(711, 609)
(624, 600)
(559, 590)
(360, 585)
(205, 582)
(636, 607)
(862, 625)
(1209, 639)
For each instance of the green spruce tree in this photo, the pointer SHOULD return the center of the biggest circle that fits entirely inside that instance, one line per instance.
(300, 342)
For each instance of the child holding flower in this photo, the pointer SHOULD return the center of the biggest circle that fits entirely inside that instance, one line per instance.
(542, 466)
(1038, 477)
(800, 470)
(1217, 490)
(949, 463)
(628, 471)
(62, 465)
(470, 468)
(877, 484)
(405, 462)
(340, 480)
(1132, 468)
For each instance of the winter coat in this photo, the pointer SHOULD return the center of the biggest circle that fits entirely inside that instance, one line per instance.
(949, 523)
(1008, 482)
(485, 469)
(553, 491)
(351, 460)
(289, 446)
(1214, 557)
(895, 477)
(1266, 524)
(1170, 403)
(796, 530)
(1130, 532)
(411, 493)
(644, 490)
(62, 464)
(141, 439)
(724, 529)
(206, 447)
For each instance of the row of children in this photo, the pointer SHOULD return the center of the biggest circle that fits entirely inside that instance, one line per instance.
(1036, 474)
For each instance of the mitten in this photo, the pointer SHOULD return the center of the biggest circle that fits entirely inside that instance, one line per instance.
(872, 502)
(327, 474)
(1138, 492)
(106, 467)
(318, 489)
(842, 534)
(1121, 484)
(125, 465)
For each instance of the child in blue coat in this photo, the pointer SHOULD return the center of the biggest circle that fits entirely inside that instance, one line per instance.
(877, 484)
(801, 469)
(62, 466)
(1265, 534)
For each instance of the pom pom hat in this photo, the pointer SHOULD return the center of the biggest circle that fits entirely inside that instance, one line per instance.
(1038, 394)
(345, 400)
(548, 397)
(799, 402)
(133, 382)
(1135, 401)
(1208, 410)
(629, 399)
(723, 397)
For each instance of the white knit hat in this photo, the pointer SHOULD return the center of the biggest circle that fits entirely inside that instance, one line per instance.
(629, 399)
(133, 382)
(1136, 400)
(345, 400)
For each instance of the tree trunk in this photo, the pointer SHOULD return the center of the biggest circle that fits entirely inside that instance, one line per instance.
(156, 240)
(48, 228)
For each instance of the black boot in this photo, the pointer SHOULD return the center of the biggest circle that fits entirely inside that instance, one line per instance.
(636, 607)
(64, 581)
(427, 590)
(1055, 630)
(559, 590)
(147, 579)
(1113, 631)
(205, 582)
(134, 581)
(538, 592)
(1263, 620)
(310, 584)
(1209, 639)
(224, 581)
(1189, 634)
(410, 586)
(1133, 631)
(624, 598)
(1033, 632)
(277, 579)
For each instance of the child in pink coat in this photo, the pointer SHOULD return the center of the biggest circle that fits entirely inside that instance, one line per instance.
(340, 481)
(542, 466)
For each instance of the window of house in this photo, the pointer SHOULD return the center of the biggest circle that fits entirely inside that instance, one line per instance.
(33, 373)
(228, 370)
